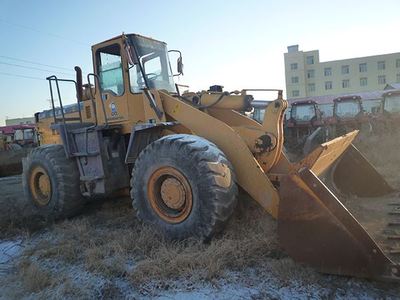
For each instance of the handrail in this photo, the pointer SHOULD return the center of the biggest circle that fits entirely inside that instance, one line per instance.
(56, 79)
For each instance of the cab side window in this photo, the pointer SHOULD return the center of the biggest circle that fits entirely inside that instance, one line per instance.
(110, 70)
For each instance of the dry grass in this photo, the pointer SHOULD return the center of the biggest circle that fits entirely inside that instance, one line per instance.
(113, 244)
(34, 278)
(250, 239)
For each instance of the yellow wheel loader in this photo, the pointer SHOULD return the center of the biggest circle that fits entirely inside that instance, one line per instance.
(183, 156)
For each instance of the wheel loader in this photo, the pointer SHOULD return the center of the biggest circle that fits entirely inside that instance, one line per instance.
(182, 156)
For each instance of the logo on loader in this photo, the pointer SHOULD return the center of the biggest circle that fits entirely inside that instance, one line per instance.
(113, 108)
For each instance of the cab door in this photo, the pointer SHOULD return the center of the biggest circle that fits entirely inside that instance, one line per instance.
(110, 71)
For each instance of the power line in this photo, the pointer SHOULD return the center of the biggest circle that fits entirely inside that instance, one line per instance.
(34, 68)
(21, 76)
(42, 32)
(34, 63)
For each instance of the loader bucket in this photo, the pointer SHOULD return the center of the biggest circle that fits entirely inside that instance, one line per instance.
(323, 222)
(354, 175)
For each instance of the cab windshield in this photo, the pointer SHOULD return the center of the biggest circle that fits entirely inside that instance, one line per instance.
(347, 109)
(153, 56)
(23, 134)
(303, 112)
(259, 114)
(392, 104)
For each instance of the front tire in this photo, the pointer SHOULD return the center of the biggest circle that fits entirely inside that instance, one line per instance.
(51, 183)
(185, 186)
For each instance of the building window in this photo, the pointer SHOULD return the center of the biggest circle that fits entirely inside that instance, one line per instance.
(345, 83)
(293, 66)
(397, 63)
(295, 93)
(398, 78)
(328, 71)
(295, 79)
(311, 87)
(345, 69)
(310, 60)
(363, 81)
(328, 85)
(363, 67)
(381, 65)
(382, 79)
(310, 73)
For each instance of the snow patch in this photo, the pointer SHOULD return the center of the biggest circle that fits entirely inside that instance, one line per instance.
(8, 251)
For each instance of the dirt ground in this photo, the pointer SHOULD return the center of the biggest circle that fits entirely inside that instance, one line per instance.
(107, 253)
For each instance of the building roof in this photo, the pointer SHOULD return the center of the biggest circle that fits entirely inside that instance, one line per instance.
(392, 86)
(373, 95)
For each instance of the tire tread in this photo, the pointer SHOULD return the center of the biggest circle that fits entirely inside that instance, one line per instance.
(221, 201)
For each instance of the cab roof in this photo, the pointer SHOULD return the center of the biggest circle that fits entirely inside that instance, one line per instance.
(303, 102)
(126, 34)
(347, 98)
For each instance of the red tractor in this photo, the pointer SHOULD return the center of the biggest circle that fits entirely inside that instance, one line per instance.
(259, 110)
(348, 115)
(388, 119)
(15, 137)
(304, 128)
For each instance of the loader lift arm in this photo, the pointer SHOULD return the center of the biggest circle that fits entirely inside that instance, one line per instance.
(308, 211)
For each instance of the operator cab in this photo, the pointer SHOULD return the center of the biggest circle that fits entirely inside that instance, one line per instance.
(126, 69)
(391, 102)
(347, 107)
(147, 62)
(304, 113)
(259, 109)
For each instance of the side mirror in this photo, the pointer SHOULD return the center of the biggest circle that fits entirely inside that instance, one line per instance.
(179, 62)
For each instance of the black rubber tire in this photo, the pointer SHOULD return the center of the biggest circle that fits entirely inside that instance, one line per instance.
(66, 199)
(213, 203)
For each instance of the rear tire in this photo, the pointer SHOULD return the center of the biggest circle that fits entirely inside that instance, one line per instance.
(51, 183)
(185, 186)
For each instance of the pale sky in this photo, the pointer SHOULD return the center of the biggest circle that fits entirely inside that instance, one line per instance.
(238, 44)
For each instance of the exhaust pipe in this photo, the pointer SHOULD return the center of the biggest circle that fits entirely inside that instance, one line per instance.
(79, 87)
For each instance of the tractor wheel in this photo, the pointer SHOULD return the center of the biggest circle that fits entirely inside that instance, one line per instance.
(185, 186)
(51, 183)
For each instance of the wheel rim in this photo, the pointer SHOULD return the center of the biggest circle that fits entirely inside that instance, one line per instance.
(170, 194)
(40, 186)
